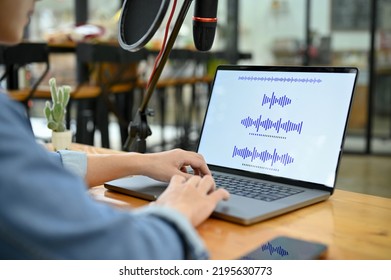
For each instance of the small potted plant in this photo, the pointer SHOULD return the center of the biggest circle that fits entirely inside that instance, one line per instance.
(55, 112)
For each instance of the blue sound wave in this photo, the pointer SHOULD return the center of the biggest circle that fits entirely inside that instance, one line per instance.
(282, 101)
(279, 250)
(268, 124)
(277, 79)
(263, 156)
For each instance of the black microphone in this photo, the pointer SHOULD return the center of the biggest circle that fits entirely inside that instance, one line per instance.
(204, 24)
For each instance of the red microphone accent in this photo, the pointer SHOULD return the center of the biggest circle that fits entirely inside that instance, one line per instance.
(201, 19)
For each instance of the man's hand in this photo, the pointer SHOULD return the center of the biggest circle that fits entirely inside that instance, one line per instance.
(196, 197)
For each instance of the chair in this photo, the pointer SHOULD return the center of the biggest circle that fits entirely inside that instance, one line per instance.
(113, 72)
(104, 70)
(17, 57)
(188, 70)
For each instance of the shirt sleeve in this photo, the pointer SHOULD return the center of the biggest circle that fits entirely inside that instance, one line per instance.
(74, 161)
(46, 212)
(195, 247)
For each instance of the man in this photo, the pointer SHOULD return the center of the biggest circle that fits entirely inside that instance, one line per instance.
(46, 213)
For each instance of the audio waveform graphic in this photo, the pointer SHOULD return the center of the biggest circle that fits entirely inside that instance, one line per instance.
(280, 79)
(268, 124)
(282, 101)
(264, 156)
(279, 250)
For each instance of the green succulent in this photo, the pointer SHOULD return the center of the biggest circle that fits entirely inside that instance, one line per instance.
(55, 111)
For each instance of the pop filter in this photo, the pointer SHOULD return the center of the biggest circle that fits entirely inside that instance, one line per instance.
(139, 21)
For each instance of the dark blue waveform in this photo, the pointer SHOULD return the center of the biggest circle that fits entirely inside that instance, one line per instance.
(268, 124)
(282, 101)
(263, 156)
(279, 79)
(279, 250)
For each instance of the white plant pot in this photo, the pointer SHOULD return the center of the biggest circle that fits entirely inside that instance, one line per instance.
(61, 140)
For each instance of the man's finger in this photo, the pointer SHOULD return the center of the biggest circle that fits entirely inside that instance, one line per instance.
(178, 179)
(207, 184)
(219, 194)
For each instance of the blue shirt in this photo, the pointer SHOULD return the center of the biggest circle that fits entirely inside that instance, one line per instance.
(47, 213)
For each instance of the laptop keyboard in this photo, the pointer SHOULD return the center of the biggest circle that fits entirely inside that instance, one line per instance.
(253, 189)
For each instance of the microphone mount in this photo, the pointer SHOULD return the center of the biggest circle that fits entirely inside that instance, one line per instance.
(138, 128)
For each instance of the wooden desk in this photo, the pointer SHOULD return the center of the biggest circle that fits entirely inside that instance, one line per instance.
(353, 225)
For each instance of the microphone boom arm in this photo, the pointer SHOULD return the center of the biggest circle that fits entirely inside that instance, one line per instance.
(138, 128)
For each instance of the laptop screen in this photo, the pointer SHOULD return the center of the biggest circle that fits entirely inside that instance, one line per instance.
(281, 121)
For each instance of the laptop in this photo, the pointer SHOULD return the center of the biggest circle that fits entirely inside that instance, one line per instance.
(278, 127)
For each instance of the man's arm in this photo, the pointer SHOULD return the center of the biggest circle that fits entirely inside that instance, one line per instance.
(45, 211)
(100, 168)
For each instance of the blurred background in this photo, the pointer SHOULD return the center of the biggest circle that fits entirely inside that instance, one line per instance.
(269, 32)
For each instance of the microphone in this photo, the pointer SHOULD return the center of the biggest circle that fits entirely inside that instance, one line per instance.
(204, 24)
